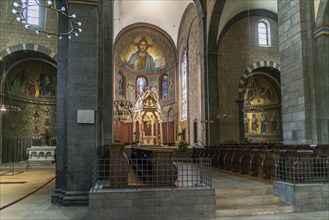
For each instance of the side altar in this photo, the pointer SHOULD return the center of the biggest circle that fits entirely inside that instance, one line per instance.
(41, 153)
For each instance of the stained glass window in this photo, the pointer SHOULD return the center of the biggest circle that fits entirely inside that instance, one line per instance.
(141, 85)
(264, 33)
(32, 12)
(120, 84)
(184, 86)
(164, 86)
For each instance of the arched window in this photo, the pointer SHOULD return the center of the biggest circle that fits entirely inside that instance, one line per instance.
(32, 12)
(264, 37)
(120, 85)
(164, 86)
(141, 85)
(184, 86)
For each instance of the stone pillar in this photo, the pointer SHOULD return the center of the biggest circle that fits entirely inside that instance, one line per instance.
(161, 134)
(105, 73)
(156, 133)
(298, 88)
(321, 68)
(241, 120)
(212, 85)
(77, 89)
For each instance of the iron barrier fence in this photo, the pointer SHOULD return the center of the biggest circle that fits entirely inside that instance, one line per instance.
(302, 170)
(151, 173)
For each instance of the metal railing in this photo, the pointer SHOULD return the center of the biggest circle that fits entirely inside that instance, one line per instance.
(151, 173)
(302, 170)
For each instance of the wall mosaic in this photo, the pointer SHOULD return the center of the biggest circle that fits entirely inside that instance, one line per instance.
(33, 79)
(262, 120)
(31, 85)
(144, 52)
(33, 120)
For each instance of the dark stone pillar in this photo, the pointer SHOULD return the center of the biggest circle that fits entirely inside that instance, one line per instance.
(77, 90)
(297, 73)
(241, 120)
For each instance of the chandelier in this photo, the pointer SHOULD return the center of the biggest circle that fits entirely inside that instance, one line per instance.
(225, 111)
(32, 6)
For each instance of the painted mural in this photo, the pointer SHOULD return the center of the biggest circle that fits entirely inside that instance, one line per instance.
(31, 86)
(262, 123)
(142, 56)
(34, 79)
(262, 110)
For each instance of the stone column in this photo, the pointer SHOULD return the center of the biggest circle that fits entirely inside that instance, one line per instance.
(161, 134)
(105, 73)
(241, 120)
(156, 133)
(77, 89)
(300, 97)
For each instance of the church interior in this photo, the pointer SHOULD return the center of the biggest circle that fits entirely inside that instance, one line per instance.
(244, 83)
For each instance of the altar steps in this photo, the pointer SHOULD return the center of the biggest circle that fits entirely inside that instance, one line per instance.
(233, 202)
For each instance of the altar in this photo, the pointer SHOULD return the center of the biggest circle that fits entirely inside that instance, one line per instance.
(148, 140)
(41, 153)
(148, 119)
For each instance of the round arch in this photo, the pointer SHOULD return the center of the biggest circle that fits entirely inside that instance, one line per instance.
(7, 54)
(251, 68)
(28, 47)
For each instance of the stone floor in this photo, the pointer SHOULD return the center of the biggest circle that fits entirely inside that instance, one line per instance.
(38, 205)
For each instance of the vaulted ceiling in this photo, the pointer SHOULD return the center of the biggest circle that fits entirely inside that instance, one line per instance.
(167, 14)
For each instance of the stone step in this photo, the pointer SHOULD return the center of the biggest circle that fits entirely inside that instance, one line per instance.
(233, 211)
(75, 198)
(244, 191)
(224, 201)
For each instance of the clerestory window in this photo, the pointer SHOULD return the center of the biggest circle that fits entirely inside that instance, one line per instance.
(184, 86)
(32, 12)
(264, 37)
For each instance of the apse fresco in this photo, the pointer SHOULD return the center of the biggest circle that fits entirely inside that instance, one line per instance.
(262, 110)
(262, 123)
(34, 79)
(261, 92)
(144, 52)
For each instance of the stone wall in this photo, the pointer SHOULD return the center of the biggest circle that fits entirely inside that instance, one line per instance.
(237, 50)
(189, 37)
(152, 204)
(296, 89)
(13, 32)
(304, 197)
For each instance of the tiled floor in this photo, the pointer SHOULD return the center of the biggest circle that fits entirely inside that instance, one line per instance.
(38, 205)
